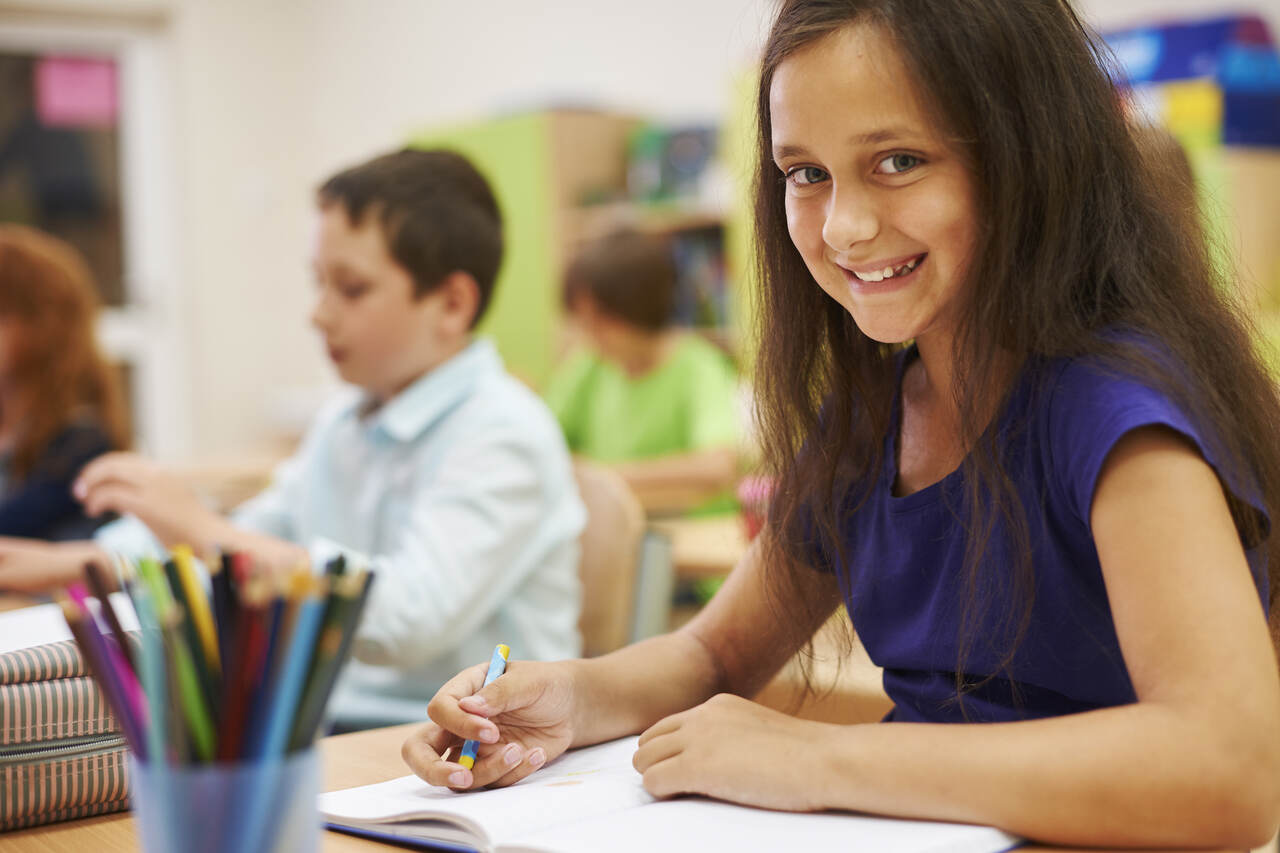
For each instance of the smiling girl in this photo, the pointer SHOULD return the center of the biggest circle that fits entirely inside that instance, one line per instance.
(1018, 433)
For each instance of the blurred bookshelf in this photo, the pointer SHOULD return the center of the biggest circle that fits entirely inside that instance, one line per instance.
(565, 177)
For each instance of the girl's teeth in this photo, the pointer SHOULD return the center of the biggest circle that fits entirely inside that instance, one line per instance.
(889, 272)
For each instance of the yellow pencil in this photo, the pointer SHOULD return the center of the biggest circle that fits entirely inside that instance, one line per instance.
(198, 604)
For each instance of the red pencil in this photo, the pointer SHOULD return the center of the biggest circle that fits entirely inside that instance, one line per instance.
(243, 670)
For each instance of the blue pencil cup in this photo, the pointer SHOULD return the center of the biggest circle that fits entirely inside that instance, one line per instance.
(266, 806)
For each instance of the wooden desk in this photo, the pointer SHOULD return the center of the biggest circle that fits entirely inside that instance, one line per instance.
(704, 547)
(360, 758)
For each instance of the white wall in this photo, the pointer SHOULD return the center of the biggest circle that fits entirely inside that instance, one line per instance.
(275, 96)
(272, 95)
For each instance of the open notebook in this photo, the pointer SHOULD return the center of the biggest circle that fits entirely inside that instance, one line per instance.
(592, 799)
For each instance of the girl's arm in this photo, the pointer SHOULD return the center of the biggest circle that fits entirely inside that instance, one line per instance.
(1194, 762)
(734, 645)
(537, 710)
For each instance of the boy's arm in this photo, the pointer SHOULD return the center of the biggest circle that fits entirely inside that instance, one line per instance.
(271, 512)
(501, 507)
(710, 465)
(162, 512)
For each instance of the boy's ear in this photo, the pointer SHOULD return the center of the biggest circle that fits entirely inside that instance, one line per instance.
(461, 296)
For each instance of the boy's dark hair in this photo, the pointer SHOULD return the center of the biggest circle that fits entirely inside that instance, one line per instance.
(630, 275)
(437, 212)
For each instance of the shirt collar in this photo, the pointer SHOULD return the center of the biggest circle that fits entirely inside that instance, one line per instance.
(408, 414)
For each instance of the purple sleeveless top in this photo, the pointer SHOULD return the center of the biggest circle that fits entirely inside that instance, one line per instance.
(904, 582)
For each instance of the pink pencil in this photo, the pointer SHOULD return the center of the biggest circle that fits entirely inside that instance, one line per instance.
(117, 676)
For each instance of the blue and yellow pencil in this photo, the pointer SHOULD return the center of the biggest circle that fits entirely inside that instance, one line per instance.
(497, 666)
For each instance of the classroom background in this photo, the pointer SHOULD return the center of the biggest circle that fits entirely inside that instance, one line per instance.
(190, 135)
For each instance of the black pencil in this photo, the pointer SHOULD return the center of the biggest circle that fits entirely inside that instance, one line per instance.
(98, 584)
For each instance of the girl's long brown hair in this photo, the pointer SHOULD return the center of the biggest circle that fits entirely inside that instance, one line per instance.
(56, 366)
(1081, 233)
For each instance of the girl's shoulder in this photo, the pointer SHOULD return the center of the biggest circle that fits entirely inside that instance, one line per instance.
(1133, 373)
(85, 427)
(1083, 405)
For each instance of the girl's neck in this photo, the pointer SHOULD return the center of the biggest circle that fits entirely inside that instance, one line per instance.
(934, 381)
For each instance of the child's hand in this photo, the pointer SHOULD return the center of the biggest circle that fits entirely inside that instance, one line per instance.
(521, 721)
(29, 565)
(128, 483)
(733, 749)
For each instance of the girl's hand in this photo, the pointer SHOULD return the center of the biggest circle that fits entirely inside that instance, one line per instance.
(29, 565)
(129, 483)
(520, 721)
(733, 749)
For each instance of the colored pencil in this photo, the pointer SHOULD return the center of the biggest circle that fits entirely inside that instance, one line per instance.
(152, 674)
(283, 705)
(250, 646)
(336, 566)
(186, 626)
(97, 580)
(342, 616)
(223, 604)
(197, 606)
(95, 653)
(194, 708)
(262, 685)
(247, 680)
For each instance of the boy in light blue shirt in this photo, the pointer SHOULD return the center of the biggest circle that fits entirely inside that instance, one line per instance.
(441, 472)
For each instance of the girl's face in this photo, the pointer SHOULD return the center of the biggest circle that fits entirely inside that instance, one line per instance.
(879, 205)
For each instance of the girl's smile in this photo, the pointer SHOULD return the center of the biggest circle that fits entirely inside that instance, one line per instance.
(881, 276)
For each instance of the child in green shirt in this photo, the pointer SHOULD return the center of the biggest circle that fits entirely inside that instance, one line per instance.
(657, 403)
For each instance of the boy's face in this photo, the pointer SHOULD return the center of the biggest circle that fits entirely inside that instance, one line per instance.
(376, 333)
(606, 334)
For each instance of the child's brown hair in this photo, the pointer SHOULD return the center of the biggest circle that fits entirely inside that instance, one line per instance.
(54, 359)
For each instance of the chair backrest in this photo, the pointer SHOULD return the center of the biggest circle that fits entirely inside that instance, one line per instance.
(610, 557)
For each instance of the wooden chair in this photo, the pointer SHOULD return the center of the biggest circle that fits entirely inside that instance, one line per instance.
(610, 563)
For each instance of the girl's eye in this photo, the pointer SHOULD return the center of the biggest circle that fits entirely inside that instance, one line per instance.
(352, 291)
(896, 164)
(803, 176)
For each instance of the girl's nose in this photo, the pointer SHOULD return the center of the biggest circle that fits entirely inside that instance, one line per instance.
(852, 218)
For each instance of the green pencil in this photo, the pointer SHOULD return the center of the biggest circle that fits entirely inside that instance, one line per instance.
(338, 627)
(194, 708)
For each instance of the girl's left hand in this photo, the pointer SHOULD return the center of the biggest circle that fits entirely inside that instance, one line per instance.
(736, 750)
(28, 565)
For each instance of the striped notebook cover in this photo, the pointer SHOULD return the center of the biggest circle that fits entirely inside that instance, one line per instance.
(61, 752)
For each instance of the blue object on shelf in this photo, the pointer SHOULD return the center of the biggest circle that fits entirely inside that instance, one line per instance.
(1237, 53)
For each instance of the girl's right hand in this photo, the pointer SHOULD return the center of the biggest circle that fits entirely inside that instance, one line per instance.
(521, 721)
